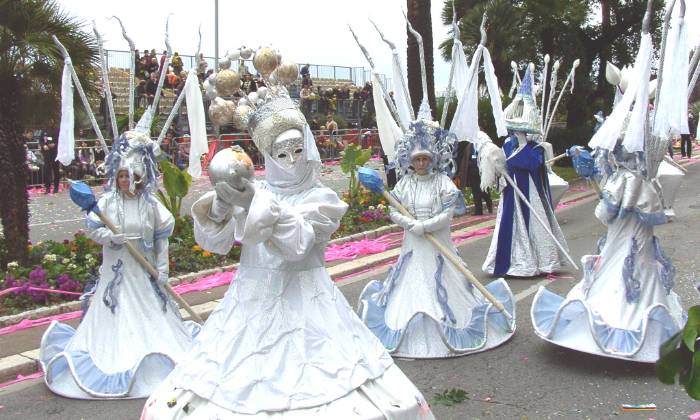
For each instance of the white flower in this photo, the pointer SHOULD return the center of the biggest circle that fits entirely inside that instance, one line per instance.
(65, 261)
(13, 265)
(50, 258)
(371, 207)
(72, 266)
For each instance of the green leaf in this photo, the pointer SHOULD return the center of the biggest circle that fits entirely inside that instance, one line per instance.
(450, 397)
(692, 386)
(692, 328)
(668, 366)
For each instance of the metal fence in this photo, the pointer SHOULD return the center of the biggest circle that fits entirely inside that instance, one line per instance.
(89, 154)
(357, 75)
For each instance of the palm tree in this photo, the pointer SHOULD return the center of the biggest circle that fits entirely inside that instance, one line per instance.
(30, 84)
(418, 13)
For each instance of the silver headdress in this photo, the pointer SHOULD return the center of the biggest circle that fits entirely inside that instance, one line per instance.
(426, 138)
(522, 114)
(133, 152)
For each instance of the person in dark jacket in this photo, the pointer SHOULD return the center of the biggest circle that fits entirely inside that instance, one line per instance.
(468, 176)
(48, 143)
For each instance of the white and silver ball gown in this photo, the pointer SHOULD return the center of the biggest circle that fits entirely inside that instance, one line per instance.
(625, 306)
(426, 308)
(520, 246)
(132, 336)
(283, 343)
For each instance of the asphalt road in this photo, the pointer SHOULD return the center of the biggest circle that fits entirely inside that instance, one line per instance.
(526, 378)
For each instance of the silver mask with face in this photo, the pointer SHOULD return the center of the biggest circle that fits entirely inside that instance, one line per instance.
(288, 148)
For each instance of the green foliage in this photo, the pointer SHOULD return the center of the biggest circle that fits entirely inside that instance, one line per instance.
(177, 183)
(352, 158)
(123, 122)
(680, 356)
(450, 397)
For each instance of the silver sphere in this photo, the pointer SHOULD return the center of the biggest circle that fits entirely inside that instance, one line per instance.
(225, 64)
(243, 102)
(262, 92)
(234, 56)
(252, 97)
(231, 165)
(246, 53)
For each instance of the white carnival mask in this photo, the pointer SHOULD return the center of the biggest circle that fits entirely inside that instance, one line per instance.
(288, 148)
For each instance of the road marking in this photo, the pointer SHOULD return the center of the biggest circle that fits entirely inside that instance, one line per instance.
(530, 290)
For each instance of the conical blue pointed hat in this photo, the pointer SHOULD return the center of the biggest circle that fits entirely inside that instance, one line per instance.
(522, 114)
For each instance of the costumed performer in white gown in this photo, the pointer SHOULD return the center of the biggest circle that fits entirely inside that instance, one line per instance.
(426, 308)
(283, 343)
(132, 335)
(624, 307)
(521, 246)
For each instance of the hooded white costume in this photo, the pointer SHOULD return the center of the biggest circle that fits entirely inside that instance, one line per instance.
(283, 343)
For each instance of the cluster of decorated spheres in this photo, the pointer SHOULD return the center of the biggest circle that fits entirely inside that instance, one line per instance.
(222, 86)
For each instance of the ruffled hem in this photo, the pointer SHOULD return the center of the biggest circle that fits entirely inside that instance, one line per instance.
(560, 321)
(74, 374)
(488, 327)
(391, 395)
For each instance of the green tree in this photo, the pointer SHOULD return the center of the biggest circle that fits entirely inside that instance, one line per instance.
(526, 30)
(30, 84)
(418, 13)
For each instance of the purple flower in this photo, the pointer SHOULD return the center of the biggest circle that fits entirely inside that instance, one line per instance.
(38, 275)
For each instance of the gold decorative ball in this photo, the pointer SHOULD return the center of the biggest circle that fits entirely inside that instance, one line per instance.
(287, 73)
(227, 82)
(265, 61)
(221, 111)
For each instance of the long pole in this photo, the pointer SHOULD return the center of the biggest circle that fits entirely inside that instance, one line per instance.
(537, 217)
(216, 35)
(455, 260)
(151, 270)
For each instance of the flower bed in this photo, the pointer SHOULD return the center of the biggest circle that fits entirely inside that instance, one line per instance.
(61, 271)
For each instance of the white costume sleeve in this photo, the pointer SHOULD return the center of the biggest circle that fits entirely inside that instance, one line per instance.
(399, 193)
(292, 231)
(97, 231)
(215, 234)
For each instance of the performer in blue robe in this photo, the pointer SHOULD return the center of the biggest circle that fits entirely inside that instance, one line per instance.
(521, 246)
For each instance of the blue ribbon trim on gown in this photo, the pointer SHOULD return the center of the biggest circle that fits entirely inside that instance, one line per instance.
(472, 337)
(549, 318)
(89, 377)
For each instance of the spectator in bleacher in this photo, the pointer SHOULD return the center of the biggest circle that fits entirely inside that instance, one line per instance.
(137, 62)
(177, 64)
(183, 152)
(259, 82)
(201, 67)
(304, 70)
(306, 80)
(152, 68)
(141, 95)
(248, 84)
(162, 58)
(305, 98)
(151, 87)
(181, 83)
(171, 79)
